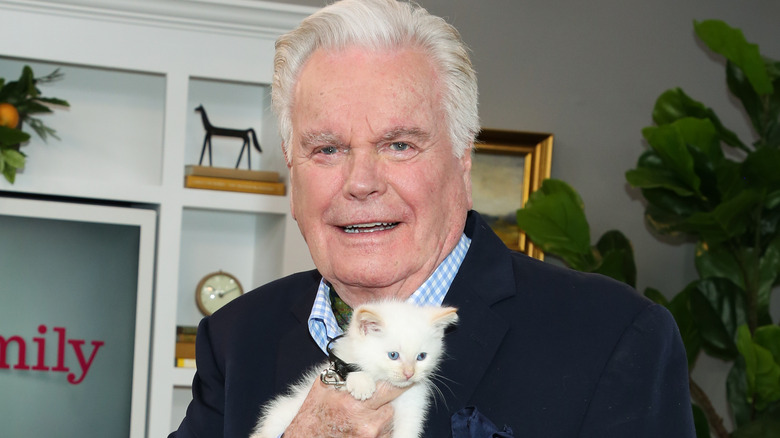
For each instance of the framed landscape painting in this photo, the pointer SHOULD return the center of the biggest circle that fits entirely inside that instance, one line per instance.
(506, 168)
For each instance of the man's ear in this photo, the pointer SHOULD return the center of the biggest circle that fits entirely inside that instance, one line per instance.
(284, 154)
(290, 168)
(466, 164)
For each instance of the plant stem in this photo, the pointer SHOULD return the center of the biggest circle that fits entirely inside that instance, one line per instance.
(715, 421)
(749, 271)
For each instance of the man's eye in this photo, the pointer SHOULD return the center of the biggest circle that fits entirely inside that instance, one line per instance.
(399, 146)
(329, 150)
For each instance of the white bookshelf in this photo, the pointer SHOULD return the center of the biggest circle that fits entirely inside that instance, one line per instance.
(134, 73)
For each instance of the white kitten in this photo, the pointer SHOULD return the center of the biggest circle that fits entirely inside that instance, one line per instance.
(392, 341)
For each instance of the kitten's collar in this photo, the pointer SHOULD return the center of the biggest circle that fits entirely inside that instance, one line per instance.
(341, 368)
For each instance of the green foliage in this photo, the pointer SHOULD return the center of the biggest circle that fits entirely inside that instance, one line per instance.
(730, 206)
(762, 364)
(554, 218)
(25, 96)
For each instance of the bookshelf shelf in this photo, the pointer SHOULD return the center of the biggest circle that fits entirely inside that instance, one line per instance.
(182, 377)
(134, 73)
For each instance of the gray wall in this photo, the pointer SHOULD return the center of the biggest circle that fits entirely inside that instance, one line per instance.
(589, 72)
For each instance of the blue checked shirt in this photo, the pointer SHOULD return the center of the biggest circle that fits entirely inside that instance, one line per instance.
(322, 323)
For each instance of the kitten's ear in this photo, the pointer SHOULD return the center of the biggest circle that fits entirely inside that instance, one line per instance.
(368, 321)
(442, 317)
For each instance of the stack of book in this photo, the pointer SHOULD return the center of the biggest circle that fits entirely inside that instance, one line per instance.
(234, 180)
(185, 346)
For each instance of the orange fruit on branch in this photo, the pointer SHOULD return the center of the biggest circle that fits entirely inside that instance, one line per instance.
(9, 116)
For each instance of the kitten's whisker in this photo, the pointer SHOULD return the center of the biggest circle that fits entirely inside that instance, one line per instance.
(437, 380)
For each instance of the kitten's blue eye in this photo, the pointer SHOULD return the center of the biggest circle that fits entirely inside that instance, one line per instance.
(422, 356)
(393, 355)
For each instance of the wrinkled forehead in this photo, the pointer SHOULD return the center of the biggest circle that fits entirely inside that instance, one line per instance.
(361, 83)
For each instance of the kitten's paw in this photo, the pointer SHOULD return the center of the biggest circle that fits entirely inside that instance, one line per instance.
(360, 385)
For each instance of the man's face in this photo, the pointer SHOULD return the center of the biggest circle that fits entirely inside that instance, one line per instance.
(377, 192)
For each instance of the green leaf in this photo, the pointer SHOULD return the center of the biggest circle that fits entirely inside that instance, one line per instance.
(768, 336)
(13, 158)
(674, 104)
(731, 43)
(761, 370)
(772, 200)
(617, 257)
(666, 212)
(31, 107)
(10, 136)
(745, 346)
(42, 130)
(715, 261)
(652, 173)
(737, 393)
(770, 132)
(717, 308)
(656, 296)
(647, 178)
(729, 219)
(673, 204)
(761, 169)
(765, 425)
(730, 181)
(554, 219)
(9, 172)
(27, 79)
(734, 215)
(705, 148)
(53, 101)
(700, 423)
(702, 135)
(740, 87)
(680, 308)
(667, 141)
(769, 273)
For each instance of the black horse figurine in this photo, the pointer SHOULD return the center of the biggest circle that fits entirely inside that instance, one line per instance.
(244, 134)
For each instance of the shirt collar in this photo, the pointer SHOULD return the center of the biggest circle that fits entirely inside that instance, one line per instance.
(322, 323)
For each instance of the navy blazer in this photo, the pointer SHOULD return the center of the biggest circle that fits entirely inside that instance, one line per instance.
(545, 350)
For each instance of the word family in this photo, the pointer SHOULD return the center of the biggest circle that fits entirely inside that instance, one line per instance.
(22, 360)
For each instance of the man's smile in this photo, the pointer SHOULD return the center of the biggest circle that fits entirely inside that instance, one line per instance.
(370, 227)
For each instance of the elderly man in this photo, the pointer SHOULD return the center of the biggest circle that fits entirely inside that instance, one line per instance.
(377, 106)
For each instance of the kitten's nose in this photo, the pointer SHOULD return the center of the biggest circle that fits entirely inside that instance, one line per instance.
(408, 372)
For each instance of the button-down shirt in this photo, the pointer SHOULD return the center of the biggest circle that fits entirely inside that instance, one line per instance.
(322, 323)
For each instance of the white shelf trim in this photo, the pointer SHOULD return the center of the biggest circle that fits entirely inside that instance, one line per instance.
(242, 17)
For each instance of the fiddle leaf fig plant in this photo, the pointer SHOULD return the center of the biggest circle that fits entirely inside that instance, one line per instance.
(701, 181)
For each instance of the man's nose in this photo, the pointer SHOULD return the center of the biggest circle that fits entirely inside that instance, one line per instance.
(365, 175)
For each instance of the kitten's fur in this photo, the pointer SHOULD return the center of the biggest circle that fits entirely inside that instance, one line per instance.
(378, 333)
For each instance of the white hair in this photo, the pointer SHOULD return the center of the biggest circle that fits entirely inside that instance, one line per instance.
(376, 25)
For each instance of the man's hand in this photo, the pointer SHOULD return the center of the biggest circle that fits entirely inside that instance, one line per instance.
(330, 413)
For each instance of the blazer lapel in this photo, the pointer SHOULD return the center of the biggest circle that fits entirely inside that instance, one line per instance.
(297, 350)
(484, 279)
(470, 348)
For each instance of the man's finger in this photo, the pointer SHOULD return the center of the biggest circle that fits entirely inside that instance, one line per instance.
(384, 394)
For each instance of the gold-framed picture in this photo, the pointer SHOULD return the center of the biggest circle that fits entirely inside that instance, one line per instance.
(507, 167)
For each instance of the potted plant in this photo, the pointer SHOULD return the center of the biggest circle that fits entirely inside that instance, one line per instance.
(729, 204)
(18, 101)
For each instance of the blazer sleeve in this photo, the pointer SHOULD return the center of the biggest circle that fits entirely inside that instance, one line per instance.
(643, 390)
(205, 413)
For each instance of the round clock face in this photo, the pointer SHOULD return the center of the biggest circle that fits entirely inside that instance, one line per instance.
(215, 290)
